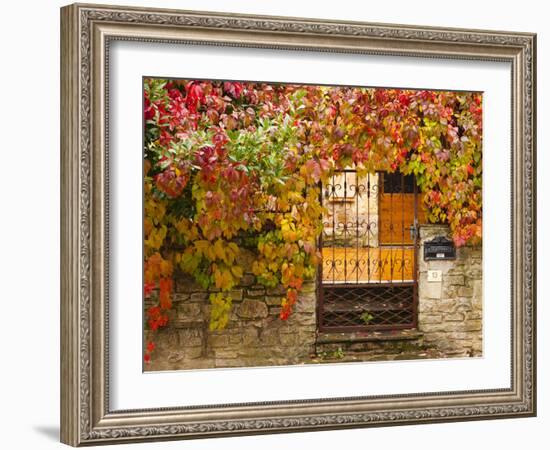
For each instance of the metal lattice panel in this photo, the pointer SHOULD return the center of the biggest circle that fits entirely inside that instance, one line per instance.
(371, 306)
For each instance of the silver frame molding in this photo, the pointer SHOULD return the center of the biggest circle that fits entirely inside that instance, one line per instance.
(86, 31)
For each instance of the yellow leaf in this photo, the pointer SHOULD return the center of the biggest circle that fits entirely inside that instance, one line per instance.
(237, 271)
(219, 250)
(258, 267)
(227, 280)
(202, 246)
(166, 268)
(223, 279)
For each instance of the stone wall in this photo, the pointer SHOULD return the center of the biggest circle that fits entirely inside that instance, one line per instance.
(254, 336)
(450, 310)
(449, 322)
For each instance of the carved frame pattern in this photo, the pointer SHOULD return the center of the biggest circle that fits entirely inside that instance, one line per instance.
(86, 33)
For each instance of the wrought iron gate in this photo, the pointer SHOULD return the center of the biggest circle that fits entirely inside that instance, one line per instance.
(368, 274)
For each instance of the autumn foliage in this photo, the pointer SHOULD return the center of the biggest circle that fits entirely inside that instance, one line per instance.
(233, 167)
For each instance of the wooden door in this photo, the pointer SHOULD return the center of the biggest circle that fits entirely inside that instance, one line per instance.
(399, 204)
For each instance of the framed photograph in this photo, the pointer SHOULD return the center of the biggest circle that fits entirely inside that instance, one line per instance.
(281, 224)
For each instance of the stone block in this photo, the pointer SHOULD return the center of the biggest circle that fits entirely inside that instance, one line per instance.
(166, 343)
(274, 300)
(446, 306)
(190, 333)
(477, 346)
(429, 231)
(429, 319)
(199, 296)
(455, 280)
(236, 294)
(190, 337)
(432, 327)
(306, 303)
(255, 291)
(475, 314)
(444, 266)
(252, 309)
(220, 340)
(300, 319)
(225, 354)
(289, 339)
(476, 252)
(474, 274)
(235, 339)
(276, 291)
(308, 287)
(189, 311)
(260, 323)
(175, 357)
(247, 280)
(455, 317)
(472, 325)
(463, 304)
(233, 316)
(250, 337)
(269, 337)
(230, 362)
(426, 305)
(477, 299)
(193, 352)
(459, 336)
(465, 291)
(178, 297)
(450, 291)
(457, 352)
(307, 337)
(430, 290)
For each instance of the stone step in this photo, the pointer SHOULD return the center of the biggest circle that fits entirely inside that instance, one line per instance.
(373, 342)
(370, 356)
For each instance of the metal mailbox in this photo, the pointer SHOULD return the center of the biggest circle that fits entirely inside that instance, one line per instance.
(439, 248)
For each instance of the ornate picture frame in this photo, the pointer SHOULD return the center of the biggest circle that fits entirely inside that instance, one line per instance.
(87, 31)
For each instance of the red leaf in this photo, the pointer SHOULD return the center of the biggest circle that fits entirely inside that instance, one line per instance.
(165, 286)
(233, 89)
(148, 288)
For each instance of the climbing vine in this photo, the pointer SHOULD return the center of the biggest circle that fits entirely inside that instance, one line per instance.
(233, 167)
